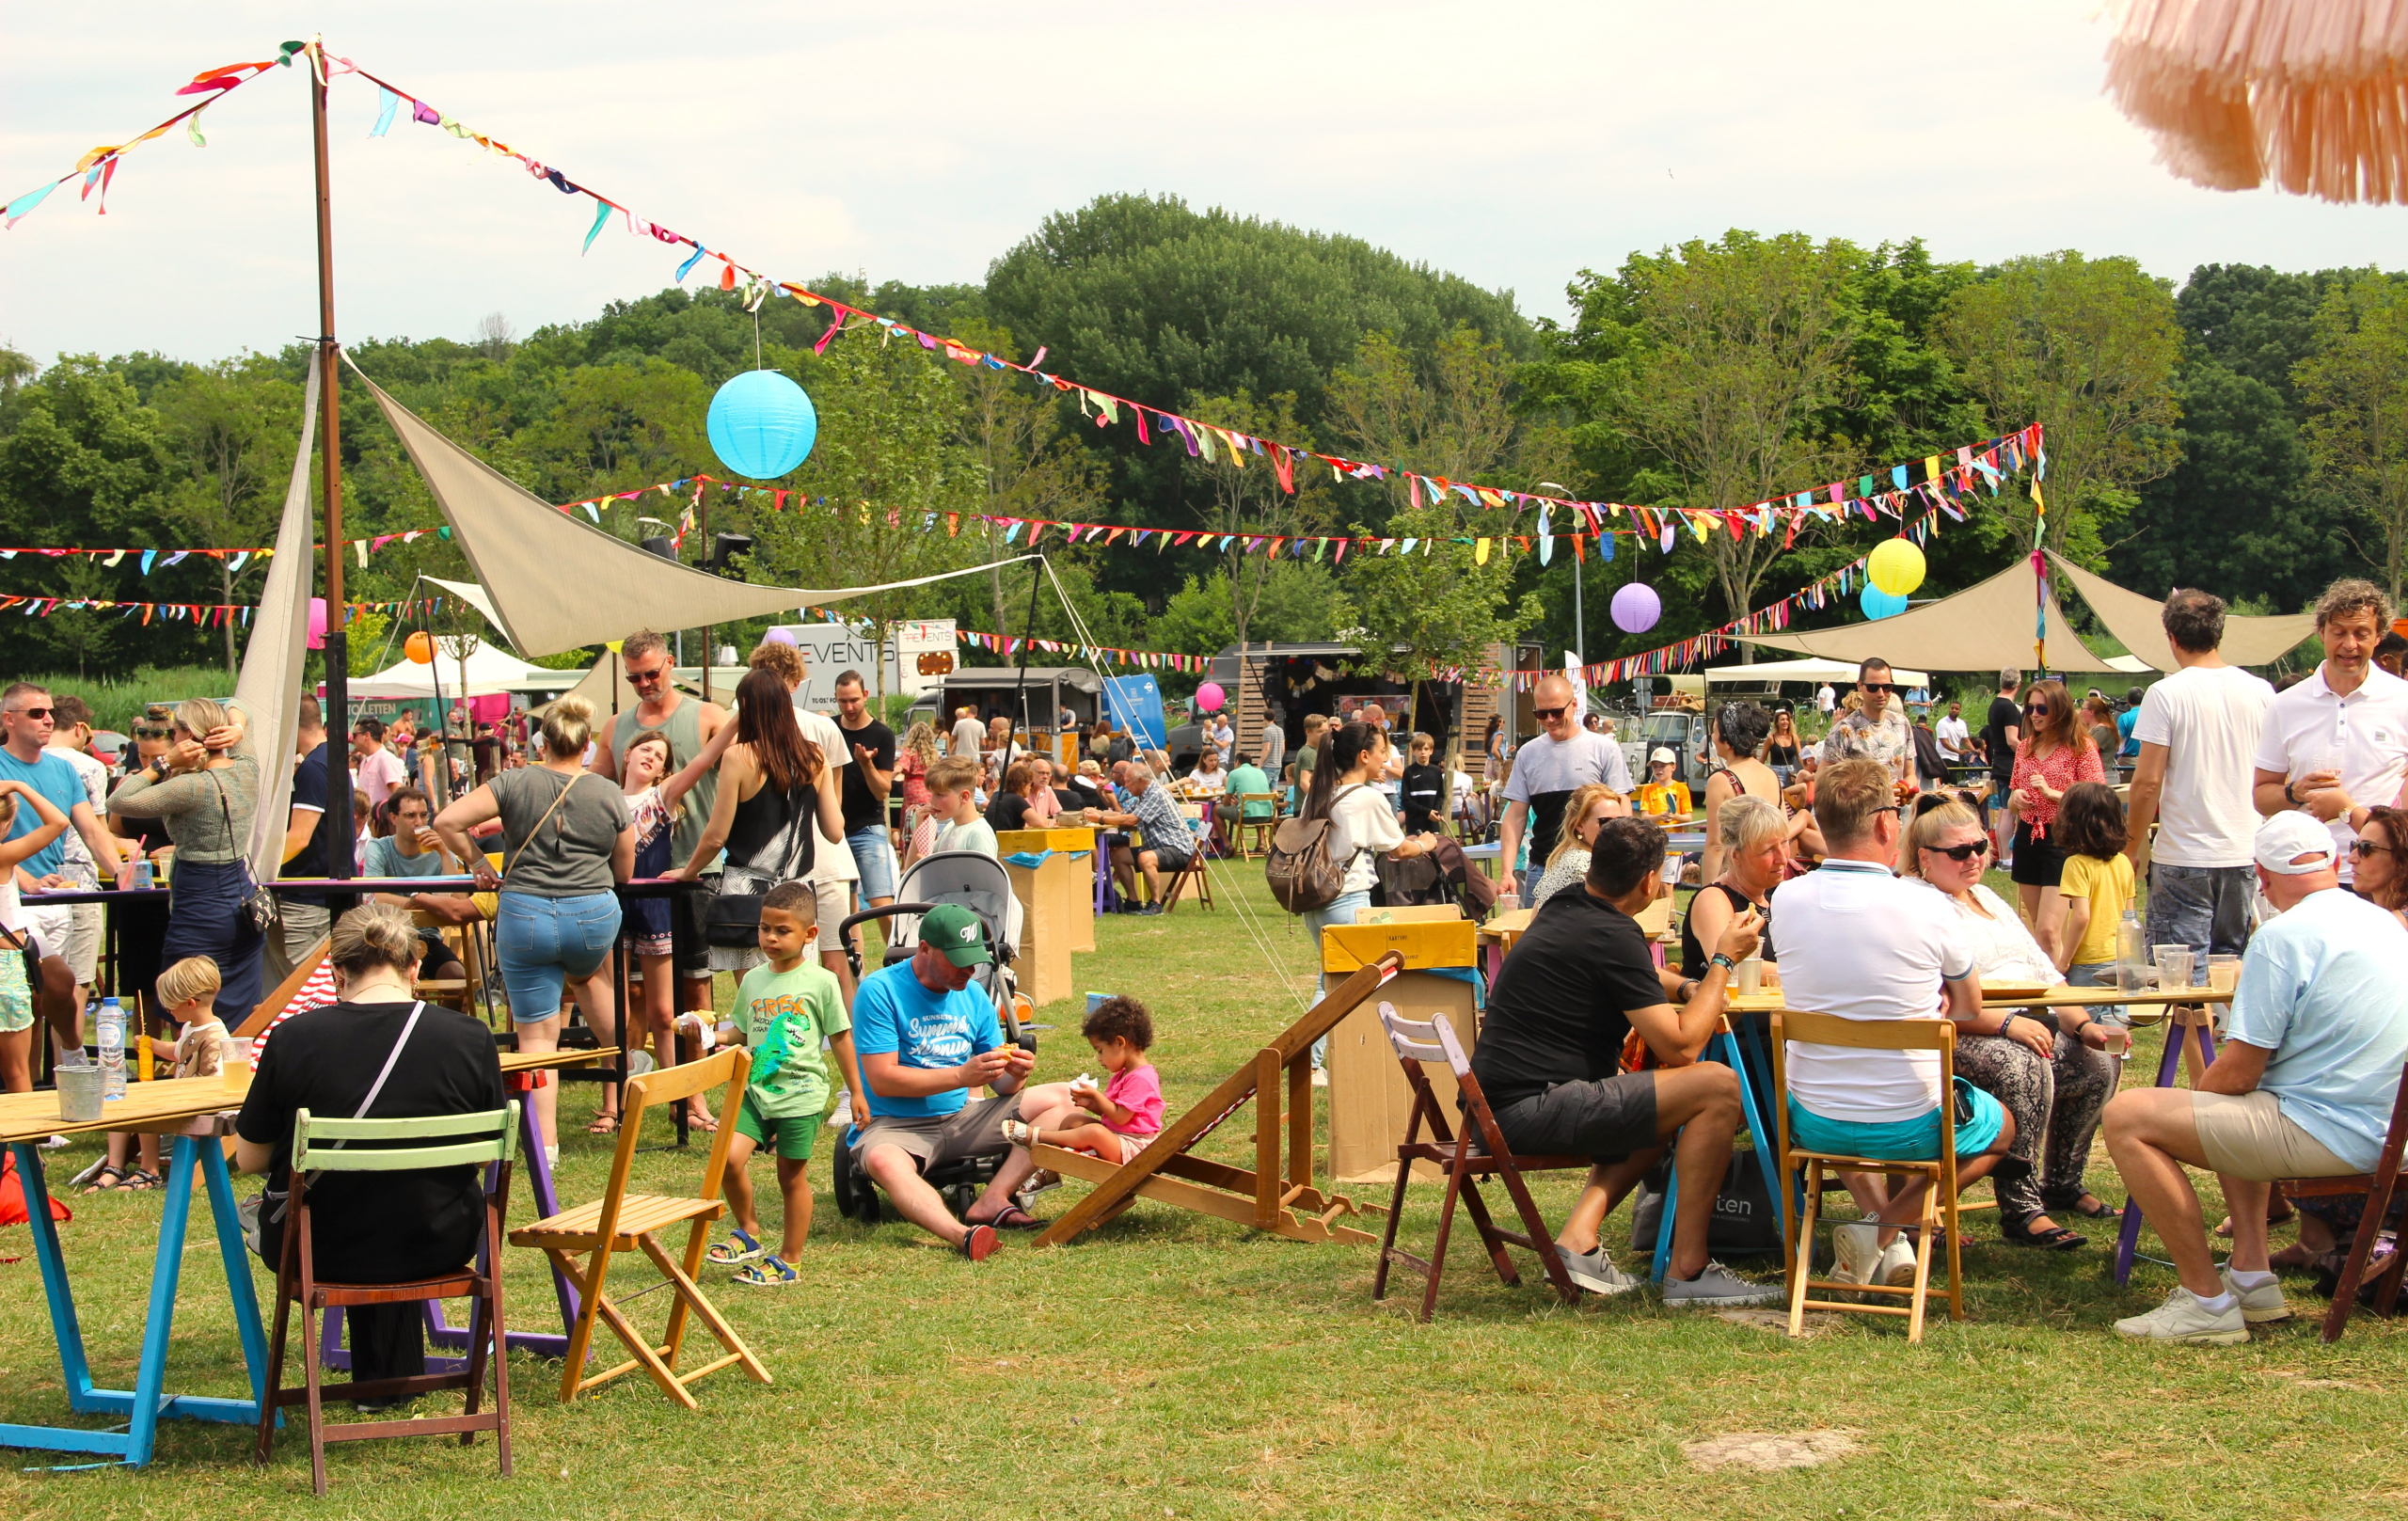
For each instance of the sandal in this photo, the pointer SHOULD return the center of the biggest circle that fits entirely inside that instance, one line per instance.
(2096, 1208)
(768, 1273)
(1020, 1132)
(703, 1124)
(108, 1179)
(979, 1242)
(603, 1125)
(2055, 1239)
(1012, 1217)
(739, 1247)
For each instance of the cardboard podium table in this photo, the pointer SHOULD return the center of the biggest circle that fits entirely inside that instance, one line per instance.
(1368, 1098)
(1054, 906)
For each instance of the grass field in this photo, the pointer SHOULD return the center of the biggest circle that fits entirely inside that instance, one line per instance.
(1171, 1366)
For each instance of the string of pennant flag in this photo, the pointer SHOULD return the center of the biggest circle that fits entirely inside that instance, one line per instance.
(1935, 479)
(203, 614)
(1009, 645)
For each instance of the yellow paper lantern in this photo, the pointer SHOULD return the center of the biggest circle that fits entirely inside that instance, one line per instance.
(419, 648)
(1897, 566)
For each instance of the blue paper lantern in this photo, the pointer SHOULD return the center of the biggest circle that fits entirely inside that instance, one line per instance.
(761, 424)
(1877, 603)
(1635, 608)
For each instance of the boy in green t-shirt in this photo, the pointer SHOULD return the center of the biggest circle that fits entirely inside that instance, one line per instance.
(782, 1012)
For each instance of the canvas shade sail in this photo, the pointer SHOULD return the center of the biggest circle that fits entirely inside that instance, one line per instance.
(1984, 627)
(1807, 669)
(553, 583)
(2311, 94)
(269, 686)
(2135, 620)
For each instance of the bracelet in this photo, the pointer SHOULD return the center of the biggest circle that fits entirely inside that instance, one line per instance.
(2289, 795)
(1718, 959)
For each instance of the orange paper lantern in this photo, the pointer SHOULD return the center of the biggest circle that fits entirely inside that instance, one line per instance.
(419, 648)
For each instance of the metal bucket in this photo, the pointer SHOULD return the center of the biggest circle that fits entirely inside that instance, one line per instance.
(79, 1092)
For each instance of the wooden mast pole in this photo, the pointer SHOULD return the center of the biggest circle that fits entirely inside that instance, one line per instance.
(331, 485)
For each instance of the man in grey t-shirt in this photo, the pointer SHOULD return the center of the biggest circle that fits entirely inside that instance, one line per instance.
(1550, 767)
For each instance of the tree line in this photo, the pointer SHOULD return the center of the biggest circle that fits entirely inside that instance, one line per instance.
(2247, 432)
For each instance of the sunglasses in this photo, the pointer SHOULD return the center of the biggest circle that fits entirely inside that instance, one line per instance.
(634, 675)
(1970, 850)
(1875, 686)
(2037, 711)
(1549, 712)
(2368, 848)
(33, 712)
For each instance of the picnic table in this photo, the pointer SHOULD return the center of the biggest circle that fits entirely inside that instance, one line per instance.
(26, 1120)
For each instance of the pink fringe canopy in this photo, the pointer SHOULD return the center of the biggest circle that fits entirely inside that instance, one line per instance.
(2312, 94)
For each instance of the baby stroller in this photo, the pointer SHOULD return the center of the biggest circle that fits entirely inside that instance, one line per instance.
(978, 883)
(1443, 876)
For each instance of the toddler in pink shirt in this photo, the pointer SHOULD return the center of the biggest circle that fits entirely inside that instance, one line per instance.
(1127, 1112)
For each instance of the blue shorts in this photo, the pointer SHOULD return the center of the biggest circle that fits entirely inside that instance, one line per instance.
(544, 941)
(1978, 1121)
(874, 857)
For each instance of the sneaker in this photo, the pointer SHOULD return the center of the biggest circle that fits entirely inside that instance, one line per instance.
(1152, 910)
(1320, 1078)
(2262, 1305)
(1856, 1250)
(844, 1111)
(1896, 1267)
(56, 1143)
(1717, 1288)
(1595, 1271)
(2183, 1318)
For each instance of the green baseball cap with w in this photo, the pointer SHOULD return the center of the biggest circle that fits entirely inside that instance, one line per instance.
(957, 932)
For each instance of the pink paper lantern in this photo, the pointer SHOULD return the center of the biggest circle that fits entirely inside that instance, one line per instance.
(1209, 697)
(317, 623)
(777, 636)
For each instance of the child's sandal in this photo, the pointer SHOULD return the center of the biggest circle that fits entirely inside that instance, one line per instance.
(768, 1273)
(739, 1247)
(1020, 1132)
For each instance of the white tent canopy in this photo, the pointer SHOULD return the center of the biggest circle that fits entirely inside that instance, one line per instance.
(1807, 669)
(490, 670)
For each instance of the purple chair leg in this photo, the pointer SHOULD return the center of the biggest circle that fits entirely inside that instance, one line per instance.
(2128, 1237)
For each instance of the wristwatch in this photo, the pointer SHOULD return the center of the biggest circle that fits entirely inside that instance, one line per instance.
(2291, 797)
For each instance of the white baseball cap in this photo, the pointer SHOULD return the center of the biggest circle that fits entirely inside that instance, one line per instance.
(2289, 835)
(1661, 758)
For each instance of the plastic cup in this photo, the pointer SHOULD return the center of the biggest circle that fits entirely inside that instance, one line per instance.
(2172, 969)
(2223, 972)
(1751, 974)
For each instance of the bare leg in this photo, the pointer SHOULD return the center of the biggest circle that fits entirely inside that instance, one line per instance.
(16, 1061)
(1699, 1104)
(543, 1034)
(2150, 1134)
(1907, 1203)
(738, 1181)
(794, 1185)
(2247, 1198)
(914, 1199)
(1609, 1182)
(693, 997)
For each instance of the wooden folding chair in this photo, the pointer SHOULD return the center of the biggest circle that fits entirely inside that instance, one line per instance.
(1197, 838)
(625, 1222)
(1253, 834)
(320, 1145)
(1938, 1215)
(1433, 1040)
(2376, 1188)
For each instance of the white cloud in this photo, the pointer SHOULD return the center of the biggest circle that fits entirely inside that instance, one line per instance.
(1510, 143)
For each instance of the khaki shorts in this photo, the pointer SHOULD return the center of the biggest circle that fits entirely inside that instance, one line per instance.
(975, 1129)
(834, 901)
(86, 921)
(2245, 1136)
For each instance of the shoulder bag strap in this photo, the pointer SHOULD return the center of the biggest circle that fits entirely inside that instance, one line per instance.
(392, 1058)
(242, 858)
(547, 818)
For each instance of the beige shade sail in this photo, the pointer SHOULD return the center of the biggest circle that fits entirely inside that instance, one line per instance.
(269, 686)
(2134, 619)
(2311, 94)
(1985, 628)
(553, 583)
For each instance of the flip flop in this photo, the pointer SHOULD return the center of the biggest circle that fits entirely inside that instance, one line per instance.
(1012, 1217)
(603, 1125)
(979, 1242)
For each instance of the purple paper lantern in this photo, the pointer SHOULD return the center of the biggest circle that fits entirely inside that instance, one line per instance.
(1635, 608)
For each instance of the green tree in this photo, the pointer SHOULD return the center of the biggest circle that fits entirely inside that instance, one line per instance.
(1296, 600)
(2087, 347)
(1028, 464)
(231, 429)
(1243, 497)
(2356, 388)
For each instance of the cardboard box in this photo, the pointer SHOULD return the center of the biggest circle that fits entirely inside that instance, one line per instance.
(1369, 1101)
(1080, 844)
(1349, 948)
(1043, 969)
(1410, 913)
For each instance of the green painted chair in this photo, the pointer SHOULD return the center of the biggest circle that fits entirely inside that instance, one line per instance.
(488, 1139)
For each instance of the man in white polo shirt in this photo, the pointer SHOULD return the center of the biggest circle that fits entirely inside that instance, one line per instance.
(2302, 1086)
(1854, 939)
(2338, 742)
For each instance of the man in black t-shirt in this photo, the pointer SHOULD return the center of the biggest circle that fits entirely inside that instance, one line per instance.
(2001, 733)
(867, 781)
(1577, 981)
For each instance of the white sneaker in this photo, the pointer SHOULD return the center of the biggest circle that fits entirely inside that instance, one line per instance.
(1595, 1271)
(844, 1111)
(1320, 1078)
(2182, 1318)
(1856, 1250)
(1717, 1288)
(1897, 1265)
(2262, 1305)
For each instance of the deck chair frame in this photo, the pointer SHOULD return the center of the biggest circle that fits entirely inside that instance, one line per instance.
(1276, 1194)
(1939, 1218)
(2376, 1188)
(326, 1145)
(1417, 1041)
(625, 1222)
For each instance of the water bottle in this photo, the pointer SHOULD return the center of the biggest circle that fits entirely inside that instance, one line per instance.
(112, 1026)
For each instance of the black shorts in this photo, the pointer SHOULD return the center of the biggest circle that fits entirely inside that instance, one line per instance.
(2038, 863)
(690, 912)
(1605, 1121)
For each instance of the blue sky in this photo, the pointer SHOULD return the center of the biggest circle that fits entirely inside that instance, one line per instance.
(1510, 143)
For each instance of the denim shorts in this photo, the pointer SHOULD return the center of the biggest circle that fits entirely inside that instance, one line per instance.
(545, 941)
(874, 857)
(2206, 908)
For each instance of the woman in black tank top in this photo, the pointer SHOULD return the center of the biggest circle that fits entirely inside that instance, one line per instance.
(776, 791)
(1754, 839)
